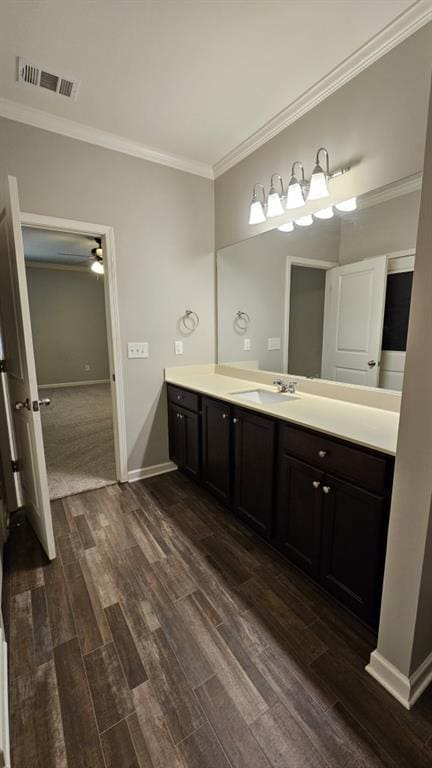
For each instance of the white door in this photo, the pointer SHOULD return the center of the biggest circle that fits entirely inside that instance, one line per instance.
(20, 368)
(353, 321)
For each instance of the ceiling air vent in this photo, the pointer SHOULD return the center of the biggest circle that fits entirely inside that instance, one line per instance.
(34, 74)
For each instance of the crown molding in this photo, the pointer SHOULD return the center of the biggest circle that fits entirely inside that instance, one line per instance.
(398, 189)
(13, 110)
(408, 22)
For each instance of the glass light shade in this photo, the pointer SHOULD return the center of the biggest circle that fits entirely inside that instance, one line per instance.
(304, 221)
(324, 213)
(295, 197)
(286, 227)
(256, 214)
(318, 184)
(97, 267)
(274, 205)
(347, 205)
(98, 251)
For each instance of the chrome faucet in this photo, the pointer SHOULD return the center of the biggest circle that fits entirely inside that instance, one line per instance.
(286, 386)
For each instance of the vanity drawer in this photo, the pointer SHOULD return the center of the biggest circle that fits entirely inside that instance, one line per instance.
(183, 397)
(362, 468)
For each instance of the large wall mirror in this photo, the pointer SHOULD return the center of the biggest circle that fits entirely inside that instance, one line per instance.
(330, 300)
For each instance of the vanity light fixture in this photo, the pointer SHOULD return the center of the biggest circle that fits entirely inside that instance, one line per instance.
(256, 212)
(286, 227)
(318, 184)
(274, 202)
(295, 192)
(347, 205)
(304, 221)
(325, 213)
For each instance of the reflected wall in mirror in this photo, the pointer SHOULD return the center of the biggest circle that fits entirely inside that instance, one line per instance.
(330, 300)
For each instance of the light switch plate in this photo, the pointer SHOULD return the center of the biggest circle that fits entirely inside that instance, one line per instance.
(273, 343)
(138, 349)
(178, 347)
(246, 345)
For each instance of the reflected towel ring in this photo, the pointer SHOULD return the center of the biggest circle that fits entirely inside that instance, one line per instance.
(190, 320)
(242, 320)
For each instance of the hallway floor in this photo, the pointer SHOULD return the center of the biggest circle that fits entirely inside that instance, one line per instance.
(78, 437)
(166, 635)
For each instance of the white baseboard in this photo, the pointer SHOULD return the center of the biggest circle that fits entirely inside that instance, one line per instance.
(156, 469)
(405, 689)
(73, 384)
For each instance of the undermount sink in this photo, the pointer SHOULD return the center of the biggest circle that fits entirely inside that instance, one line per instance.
(263, 396)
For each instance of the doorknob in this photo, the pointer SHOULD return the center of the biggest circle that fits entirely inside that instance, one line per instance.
(316, 483)
(326, 489)
(45, 401)
(371, 363)
(20, 405)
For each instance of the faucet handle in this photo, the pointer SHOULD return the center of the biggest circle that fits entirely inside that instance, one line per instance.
(292, 386)
(278, 383)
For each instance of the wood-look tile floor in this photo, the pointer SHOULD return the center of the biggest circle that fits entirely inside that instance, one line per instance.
(166, 635)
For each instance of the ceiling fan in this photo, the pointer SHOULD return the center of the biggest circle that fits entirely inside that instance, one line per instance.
(96, 257)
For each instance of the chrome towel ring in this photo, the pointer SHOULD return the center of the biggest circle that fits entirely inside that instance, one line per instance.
(190, 320)
(242, 320)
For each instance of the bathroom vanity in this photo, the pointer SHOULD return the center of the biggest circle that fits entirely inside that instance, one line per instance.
(321, 499)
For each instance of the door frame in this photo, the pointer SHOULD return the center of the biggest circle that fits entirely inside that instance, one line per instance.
(106, 233)
(296, 261)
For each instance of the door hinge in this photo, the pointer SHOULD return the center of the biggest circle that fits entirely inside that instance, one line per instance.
(15, 465)
(3, 366)
(113, 376)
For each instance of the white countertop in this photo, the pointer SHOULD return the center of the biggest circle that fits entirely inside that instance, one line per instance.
(373, 428)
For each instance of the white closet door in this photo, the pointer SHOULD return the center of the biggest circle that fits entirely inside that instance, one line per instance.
(353, 321)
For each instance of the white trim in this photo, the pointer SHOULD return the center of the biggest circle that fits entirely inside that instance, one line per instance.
(399, 188)
(156, 469)
(296, 261)
(4, 701)
(405, 689)
(13, 110)
(112, 315)
(408, 22)
(64, 384)
(401, 261)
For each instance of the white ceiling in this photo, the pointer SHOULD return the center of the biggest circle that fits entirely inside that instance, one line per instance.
(192, 78)
(49, 246)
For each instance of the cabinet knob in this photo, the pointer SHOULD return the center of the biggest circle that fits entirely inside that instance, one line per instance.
(235, 420)
(326, 489)
(316, 483)
(179, 397)
(322, 454)
(224, 415)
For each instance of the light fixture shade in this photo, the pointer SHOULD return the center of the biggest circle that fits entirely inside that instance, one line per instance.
(286, 227)
(274, 204)
(324, 213)
(347, 205)
(97, 267)
(305, 221)
(295, 197)
(256, 214)
(318, 184)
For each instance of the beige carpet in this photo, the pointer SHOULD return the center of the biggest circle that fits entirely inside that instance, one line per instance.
(78, 437)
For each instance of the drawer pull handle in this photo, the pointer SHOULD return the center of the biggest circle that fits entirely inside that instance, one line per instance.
(316, 483)
(224, 415)
(235, 420)
(179, 415)
(180, 397)
(326, 489)
(322, 454)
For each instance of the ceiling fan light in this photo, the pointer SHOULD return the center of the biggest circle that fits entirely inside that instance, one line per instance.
(304, 221)
(289, 227)
(325, 213)
(347, 205)
(97, 267)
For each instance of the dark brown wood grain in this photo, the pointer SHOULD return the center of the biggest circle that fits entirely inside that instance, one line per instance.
(59, 610)
(109, 690)
(41, 627)
(89, 634)
(118, 748)
(127, 651)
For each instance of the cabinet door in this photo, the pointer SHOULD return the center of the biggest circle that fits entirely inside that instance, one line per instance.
(353, 546)
(191, 453)
(176, 435)
(299, 512)
(254, 438)
(216, 447)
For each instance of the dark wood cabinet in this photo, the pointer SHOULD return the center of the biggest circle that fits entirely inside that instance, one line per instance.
(253, 482)
(184, 439)
(216, 447)
(354, 533)
(321, 501)
(299, 513)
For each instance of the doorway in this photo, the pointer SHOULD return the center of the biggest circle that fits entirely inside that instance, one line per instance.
(74, 318)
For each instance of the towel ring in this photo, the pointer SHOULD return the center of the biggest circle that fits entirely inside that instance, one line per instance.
(242, 320)
(190, 320)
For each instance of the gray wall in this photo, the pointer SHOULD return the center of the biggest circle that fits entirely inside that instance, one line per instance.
(376, 123)
(67, 309)
(307, 293)
(163, 223)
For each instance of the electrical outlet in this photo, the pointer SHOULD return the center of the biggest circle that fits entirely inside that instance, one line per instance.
(178, 347)
(138, 349)
(86, 367)
(247, 345)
